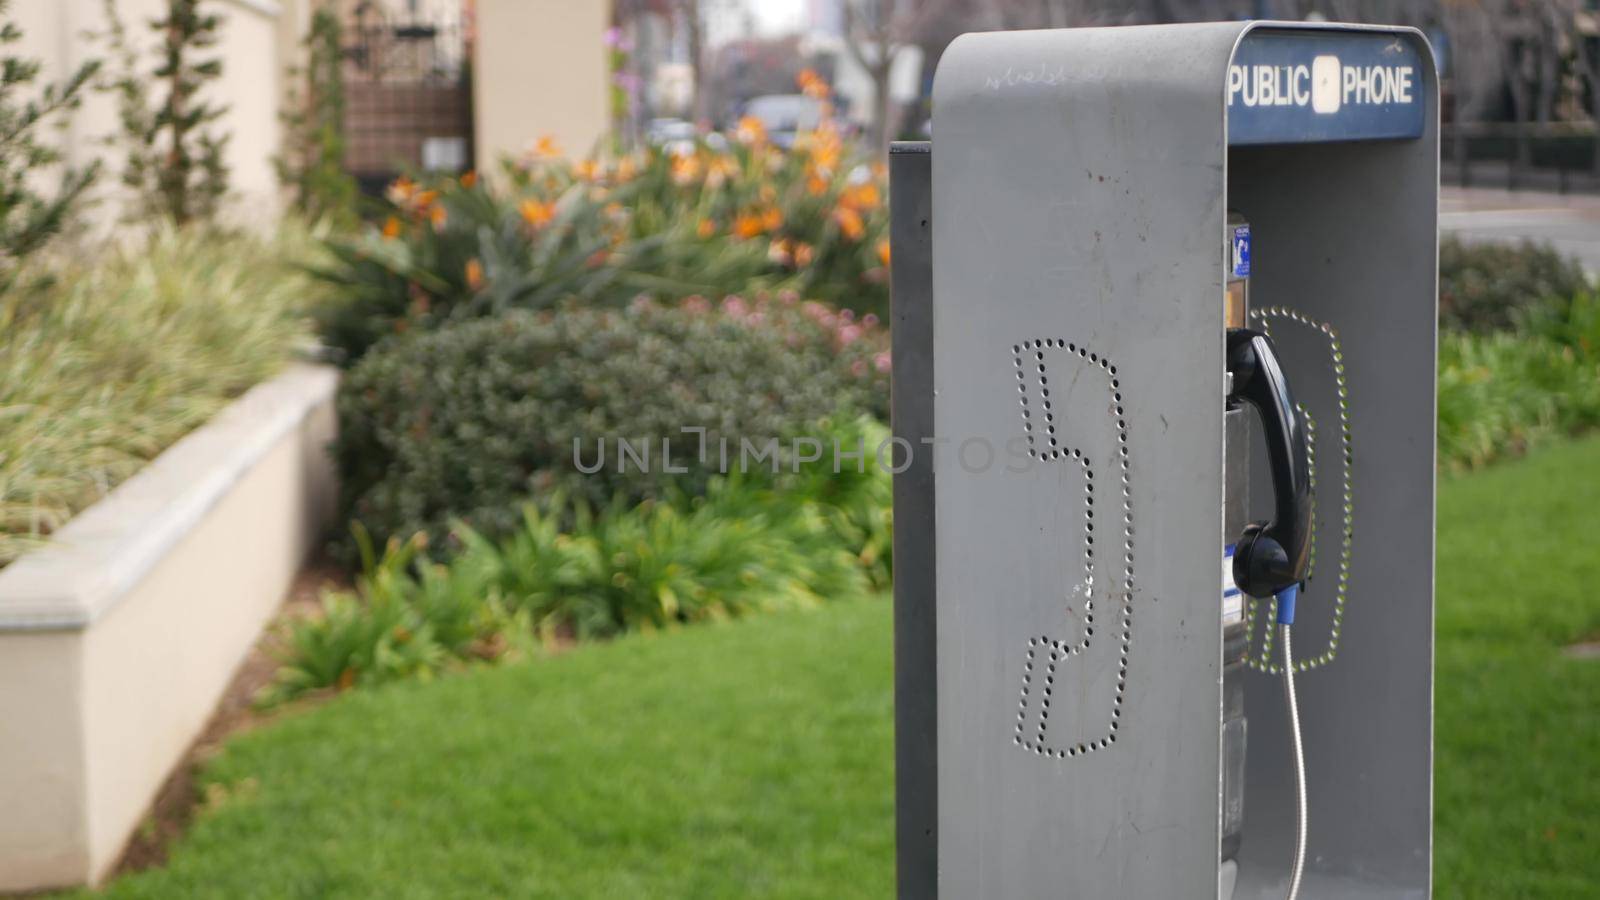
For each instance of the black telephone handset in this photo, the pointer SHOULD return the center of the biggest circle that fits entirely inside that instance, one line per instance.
(1271, 556)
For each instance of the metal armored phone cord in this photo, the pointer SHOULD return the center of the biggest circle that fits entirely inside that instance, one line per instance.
(1286, 599)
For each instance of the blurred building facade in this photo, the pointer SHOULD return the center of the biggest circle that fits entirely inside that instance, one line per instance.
(540, 68)
(429, 84)
(260, 42)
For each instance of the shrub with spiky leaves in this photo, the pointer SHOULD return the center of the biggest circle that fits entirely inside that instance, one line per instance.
(698, 219)
(108, 362)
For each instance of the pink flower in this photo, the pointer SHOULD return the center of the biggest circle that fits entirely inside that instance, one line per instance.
(734, 305)
(869, 320)
(858, 368)
(849, 334)
(882, 361)
(697, 304)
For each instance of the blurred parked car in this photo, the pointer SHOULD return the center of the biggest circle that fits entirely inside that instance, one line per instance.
(785, 115)
(666, 130)
(677, 136)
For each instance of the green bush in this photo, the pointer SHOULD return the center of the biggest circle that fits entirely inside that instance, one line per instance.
(855, 497)
(1501, 393)
(403, 619)
(109, 362)
(1486, 287)
(472, 421)
(738, 548)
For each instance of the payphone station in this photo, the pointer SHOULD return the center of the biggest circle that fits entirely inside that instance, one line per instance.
(1164, 308)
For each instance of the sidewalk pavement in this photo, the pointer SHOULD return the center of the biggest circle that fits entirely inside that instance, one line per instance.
(1571, 222)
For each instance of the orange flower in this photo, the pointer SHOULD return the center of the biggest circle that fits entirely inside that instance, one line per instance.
(804, 253)
(546, 147)
(705, 229)
(849, 222)
(813, 85)
(860, 197)
(721, 168)
(825, 146)
(474, 274)
(627, 167)
(438, 216)
(772, 219)
(535, 213)
(816, 185)
(401, 190)
(391, 228)
(883, 252)
(588, 170)
(750, 131)
(685, 169)
(469, 180)
(748, 225)
(780, 253)
(825, 155)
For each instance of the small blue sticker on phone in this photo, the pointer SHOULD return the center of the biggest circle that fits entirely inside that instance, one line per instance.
(1241, 251)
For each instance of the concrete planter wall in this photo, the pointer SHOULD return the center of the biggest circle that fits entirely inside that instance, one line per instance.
(118, 638)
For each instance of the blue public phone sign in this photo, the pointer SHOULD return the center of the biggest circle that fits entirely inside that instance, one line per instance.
(1309, 87)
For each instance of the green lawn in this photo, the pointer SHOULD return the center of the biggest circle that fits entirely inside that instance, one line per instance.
(1517, 723)
(753, 759)
(740, 760)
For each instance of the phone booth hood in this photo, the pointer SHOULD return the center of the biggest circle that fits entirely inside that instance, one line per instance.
(1068, 623)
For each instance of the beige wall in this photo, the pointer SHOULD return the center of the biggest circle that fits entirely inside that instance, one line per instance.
(103, 686)
(156, 665)
(43, 832)
(259, 40)
(540, 68)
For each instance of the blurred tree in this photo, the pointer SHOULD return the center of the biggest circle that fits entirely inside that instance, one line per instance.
(1013, 14)
(312, 163)
(1586, 42)
(174, 162)
(691, 15)
(875, 31)
(27, 218)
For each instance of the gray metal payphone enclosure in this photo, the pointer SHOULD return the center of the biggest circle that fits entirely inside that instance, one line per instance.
(1059, 372)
